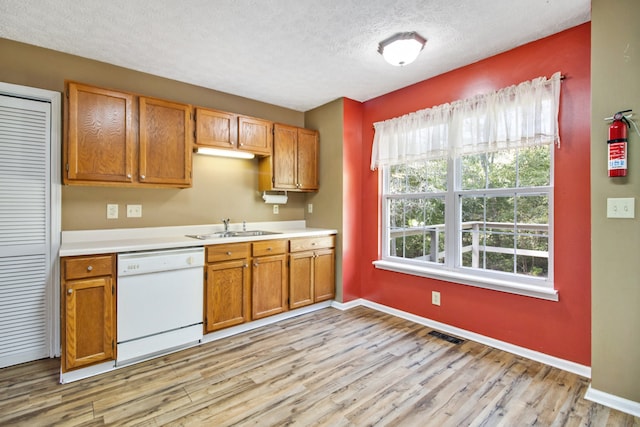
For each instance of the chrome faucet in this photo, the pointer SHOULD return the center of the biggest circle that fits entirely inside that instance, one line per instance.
(226, 224)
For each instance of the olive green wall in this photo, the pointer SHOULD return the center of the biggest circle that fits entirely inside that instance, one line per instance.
(615, 248)
(327, 203)
(222, 188)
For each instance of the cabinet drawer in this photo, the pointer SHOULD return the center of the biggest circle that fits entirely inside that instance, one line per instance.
(78, 268)
(269, 247)
(311, 243)
(226, 252)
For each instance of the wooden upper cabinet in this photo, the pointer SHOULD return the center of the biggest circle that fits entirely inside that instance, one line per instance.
(217, 129)
(99, 137)
(294, 164)
(165, 142)
(116, 138)
(307, 159)
(285, 160)
(255, 135)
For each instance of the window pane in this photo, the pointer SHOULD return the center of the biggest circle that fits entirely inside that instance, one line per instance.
(533, 235)
(474, 172)
(417, 228)
(534, 166)
(501, 169)
(533, 209)
(526, 167)
(506, 233)
(418, 177)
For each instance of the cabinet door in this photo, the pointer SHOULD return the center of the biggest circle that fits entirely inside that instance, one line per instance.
(284, 157)
(269, 286)
(216, 128)
(165, 143)
(324, 276)
(227, 295)
(307, 159)
(255, 135)
(301, 279)
(89, 326)
(99, 137)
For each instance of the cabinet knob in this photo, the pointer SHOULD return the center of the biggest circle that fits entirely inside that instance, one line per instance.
(142, 176)
(255, 264)
(229, 253)
(89, 268)
(313, 243)
(269, 249)
(69, 291)
(129, 175)
(245, 265)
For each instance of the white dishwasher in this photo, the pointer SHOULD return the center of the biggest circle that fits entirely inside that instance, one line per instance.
(159, 303)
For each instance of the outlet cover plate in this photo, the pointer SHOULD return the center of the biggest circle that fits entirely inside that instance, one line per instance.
(435, 297)
(134, 211)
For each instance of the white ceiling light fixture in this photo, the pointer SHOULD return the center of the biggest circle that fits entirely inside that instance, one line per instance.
(401, 48)
(224, 153)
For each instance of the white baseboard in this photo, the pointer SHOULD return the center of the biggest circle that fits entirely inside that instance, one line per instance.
(565, 365)
(613, 401)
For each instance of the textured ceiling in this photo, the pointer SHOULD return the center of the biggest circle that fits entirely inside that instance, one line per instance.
(297, 54)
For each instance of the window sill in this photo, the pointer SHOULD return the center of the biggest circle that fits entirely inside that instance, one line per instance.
(470, 280)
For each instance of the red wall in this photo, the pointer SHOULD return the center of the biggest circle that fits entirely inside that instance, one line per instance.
(352, 208)
(560, 329)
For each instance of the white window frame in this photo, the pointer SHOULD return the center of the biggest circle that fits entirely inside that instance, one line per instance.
(452, 270)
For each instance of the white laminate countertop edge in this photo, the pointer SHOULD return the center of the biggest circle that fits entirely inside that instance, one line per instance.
(90, 242)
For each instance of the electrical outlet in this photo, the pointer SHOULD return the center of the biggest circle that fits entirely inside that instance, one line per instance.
(134, 211)
(310, 208)
(435, 297)
(112, 211)
(276, 209)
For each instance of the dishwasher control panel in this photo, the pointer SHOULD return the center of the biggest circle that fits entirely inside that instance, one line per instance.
(144, 262)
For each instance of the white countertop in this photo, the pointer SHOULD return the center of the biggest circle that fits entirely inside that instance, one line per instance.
(89, 242)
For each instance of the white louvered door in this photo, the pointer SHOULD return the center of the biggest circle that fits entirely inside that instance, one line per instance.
(25, 241)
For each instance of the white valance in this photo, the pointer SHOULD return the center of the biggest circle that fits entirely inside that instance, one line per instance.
(516, 116)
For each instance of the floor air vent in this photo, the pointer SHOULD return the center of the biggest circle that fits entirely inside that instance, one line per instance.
(446, 337)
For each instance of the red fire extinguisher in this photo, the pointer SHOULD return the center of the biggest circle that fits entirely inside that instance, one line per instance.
(617, 144)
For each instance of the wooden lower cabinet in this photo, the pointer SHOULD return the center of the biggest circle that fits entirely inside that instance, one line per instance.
(227, 286)
(88, 310)
(277, 281)
(269, 278)
(311, 270)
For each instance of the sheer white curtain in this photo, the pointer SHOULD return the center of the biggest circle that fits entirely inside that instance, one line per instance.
(516, 116)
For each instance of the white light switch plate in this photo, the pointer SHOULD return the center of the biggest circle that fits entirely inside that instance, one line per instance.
(112, 211)
(621, 207)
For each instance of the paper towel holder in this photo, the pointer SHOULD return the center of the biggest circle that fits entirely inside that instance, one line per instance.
(276, 199)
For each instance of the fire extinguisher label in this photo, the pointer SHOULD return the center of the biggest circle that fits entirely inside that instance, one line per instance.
(617, 155)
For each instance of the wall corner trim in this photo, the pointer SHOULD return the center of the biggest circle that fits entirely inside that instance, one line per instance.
(556, 362)
(613, 401)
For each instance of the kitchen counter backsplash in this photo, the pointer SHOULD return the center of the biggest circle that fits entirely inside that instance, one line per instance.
(89, 242)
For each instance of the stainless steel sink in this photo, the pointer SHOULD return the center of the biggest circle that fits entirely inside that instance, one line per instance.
(219, 234)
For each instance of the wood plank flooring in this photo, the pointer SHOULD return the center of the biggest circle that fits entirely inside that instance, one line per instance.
(328, 368)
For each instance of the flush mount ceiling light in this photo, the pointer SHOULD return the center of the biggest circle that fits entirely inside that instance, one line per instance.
(224, 153)
(401, 48)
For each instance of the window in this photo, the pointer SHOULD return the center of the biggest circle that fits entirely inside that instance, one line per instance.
(460, 206)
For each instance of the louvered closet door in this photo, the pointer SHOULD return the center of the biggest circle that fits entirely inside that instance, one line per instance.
(24, 238)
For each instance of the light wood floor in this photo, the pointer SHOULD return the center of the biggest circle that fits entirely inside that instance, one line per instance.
(329, 368)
